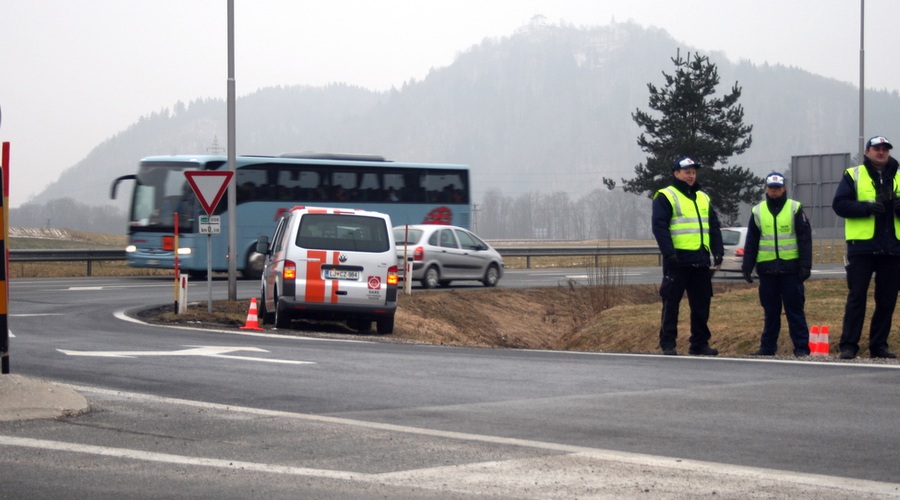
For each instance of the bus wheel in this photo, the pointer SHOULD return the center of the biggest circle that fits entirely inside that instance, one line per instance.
(385, 325)
(197, 275)
(253, 268)
(431, 278)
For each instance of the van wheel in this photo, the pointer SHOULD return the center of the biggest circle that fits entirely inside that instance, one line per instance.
(265, 317)
(491, 276)
(385, 325)
(432, 278)
(282, 317)
(362, 326)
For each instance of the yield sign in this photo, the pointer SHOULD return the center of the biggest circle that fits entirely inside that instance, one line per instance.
(209, 186)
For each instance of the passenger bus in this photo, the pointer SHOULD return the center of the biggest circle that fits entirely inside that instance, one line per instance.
(267, 187)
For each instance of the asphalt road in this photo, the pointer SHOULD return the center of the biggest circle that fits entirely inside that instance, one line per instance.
(185, 413)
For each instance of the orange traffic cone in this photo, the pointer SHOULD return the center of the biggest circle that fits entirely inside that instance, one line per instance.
(252, 319)
(824, 343)
(814, 340)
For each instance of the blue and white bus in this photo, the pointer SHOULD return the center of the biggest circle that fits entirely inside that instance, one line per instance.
(267, 186)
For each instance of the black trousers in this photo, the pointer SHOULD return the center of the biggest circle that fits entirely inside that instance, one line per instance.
(697, 282)
(786, 289)
(860, 268)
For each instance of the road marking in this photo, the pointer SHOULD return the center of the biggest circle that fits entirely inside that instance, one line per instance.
(80, 288)
(124, 317)
(206, 351)
(721, 472)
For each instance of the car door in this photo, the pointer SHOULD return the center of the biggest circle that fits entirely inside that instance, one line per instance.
(451, 257)
(475, 259)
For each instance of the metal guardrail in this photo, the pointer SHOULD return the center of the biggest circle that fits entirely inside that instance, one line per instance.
(66, 255)
(90, 256)
(576, 251)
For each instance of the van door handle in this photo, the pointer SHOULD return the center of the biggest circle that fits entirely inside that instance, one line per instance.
(341, 292)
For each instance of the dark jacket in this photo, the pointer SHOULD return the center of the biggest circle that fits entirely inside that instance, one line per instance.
(847, 206)
(662, 216)
(778, 266)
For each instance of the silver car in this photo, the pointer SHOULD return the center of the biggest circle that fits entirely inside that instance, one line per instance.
(734, 239)
(441, 254)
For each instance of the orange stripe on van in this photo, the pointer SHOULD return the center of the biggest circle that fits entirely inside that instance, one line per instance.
(334, 283)
(315, 284)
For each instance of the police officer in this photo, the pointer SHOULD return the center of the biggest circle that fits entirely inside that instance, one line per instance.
(779, 245)
(867, 199)
(687, 231)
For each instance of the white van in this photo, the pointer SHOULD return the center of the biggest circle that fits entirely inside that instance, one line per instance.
(332, 264)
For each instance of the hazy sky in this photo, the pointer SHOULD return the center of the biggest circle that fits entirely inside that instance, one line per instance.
(75, 72)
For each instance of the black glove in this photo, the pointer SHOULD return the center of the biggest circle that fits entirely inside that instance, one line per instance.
(875, 208)
(895, 203)
(717, 260)
(672, 261)
(804, 273)
(748, 276)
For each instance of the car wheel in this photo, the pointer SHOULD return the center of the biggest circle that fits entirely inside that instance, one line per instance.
(282, 317)
(431, 278)
(385, 325)
(445, 283)
(491, 276)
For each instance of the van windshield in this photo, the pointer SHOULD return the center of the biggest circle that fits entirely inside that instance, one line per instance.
(343, 232)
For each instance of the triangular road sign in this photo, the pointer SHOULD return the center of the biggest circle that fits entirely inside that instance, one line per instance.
(209, 186)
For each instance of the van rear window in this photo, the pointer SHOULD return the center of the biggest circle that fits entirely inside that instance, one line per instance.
(343, 232)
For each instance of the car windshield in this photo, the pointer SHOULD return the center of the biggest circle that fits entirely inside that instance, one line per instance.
(411, 237)
(730, 237)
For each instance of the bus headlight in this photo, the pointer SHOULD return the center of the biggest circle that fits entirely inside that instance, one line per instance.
(185, 251)
(130, 249)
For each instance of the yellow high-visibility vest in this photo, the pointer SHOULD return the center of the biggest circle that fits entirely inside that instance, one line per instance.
(689, 225)
(777, 235)
(863, 228)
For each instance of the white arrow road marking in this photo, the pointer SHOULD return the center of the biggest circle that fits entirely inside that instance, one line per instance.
(208, 351)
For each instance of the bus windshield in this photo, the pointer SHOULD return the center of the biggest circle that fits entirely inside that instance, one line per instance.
(161, 189)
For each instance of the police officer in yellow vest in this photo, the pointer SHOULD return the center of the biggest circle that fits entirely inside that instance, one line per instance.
(867, 199)
(779, 245)
(687, 231)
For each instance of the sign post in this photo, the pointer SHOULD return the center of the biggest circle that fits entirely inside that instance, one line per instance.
(4, 266)
(209, 186)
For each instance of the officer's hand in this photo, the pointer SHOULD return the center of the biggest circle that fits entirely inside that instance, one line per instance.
(717, 260)
(895, 203)
(804, 274)
(672, 261)
(875, 208)
(748, 276)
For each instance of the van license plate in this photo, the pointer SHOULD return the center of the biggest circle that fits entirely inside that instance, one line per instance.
(338, 274)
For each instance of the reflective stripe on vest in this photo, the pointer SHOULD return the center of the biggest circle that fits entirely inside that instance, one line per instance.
(777, 235)
(689, 226)
(863, 228)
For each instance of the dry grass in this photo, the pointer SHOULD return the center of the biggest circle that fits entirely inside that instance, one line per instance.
(561, 318)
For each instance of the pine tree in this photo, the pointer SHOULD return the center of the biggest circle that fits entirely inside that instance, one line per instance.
(692, 122)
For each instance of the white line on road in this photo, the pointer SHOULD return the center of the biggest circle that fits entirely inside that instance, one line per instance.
(207, 351)
(806, 485)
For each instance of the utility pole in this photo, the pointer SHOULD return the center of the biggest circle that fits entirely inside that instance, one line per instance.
(862, 78)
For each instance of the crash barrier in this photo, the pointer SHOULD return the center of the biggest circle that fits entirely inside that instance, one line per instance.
(90, 256)
(66, 255)
(577, 251)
